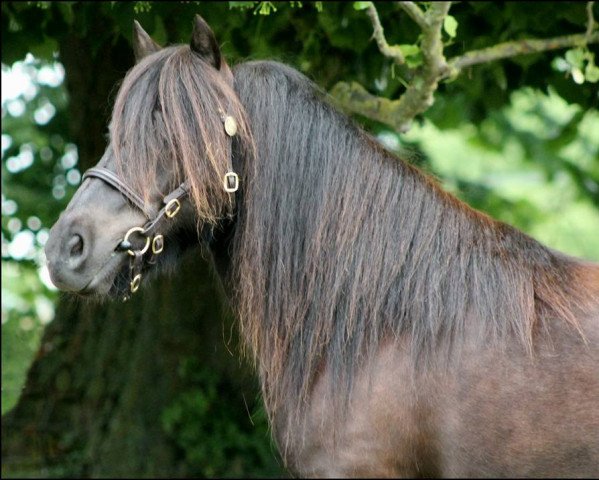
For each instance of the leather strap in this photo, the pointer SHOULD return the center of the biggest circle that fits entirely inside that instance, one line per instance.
(176, 195)
(111, 179)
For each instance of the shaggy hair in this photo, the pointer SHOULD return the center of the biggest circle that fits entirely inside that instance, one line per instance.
(169, 112)
(341, 245)
(338, 244)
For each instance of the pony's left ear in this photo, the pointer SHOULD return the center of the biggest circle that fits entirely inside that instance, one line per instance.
(143, 45)
(203, 42)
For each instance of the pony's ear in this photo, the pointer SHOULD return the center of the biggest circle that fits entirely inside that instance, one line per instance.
(143, 44)
(203, 42)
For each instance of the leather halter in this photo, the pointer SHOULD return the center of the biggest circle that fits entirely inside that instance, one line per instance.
(150, 230)
(156, 220)
(171, 203)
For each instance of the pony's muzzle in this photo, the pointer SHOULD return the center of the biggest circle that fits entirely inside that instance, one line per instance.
(67, 251)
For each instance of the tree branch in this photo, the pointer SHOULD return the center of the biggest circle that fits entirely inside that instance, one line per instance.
(590, 19)
(419, 94)
(418, 97)
(387, 50)
(355, 98)
(414, 12)
(519, 47)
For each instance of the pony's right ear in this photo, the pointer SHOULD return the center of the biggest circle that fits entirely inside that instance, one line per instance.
(143, 44)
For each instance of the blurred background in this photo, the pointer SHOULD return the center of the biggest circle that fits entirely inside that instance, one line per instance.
(157, 386)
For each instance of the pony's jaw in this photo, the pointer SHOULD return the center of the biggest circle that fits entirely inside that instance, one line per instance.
(109, 280)
(81, 247)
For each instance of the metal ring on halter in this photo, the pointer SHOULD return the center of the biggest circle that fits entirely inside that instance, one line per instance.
(135, 283)
(171, 212)
(234, 186)
(157, 244)
(126, 239)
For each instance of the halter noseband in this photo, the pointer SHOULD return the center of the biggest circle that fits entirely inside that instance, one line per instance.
(154, 240)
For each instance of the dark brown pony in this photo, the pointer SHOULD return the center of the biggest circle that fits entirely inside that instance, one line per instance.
(396, 331)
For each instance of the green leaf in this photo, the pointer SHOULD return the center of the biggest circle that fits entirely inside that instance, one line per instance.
(499, 74)
(575, 57)
(577, 76)
(591, 73)
(264, 8)
(560, 64)
(412, 54)
(142, 7)
(241, 4)
(409, 50)
(450, 25)
(45, 50)
(361, 5)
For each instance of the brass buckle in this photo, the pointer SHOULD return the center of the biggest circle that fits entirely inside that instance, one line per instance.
(157, 244)
(235, 178)
(171, 212)
(126, 239)
(135, 283)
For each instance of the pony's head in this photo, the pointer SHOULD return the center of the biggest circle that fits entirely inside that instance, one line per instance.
(166, 177)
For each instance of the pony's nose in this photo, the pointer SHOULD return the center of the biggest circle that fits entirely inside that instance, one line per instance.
(67, 249)
(75, 248)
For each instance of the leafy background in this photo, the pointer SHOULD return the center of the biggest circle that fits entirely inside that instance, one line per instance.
(518, 139)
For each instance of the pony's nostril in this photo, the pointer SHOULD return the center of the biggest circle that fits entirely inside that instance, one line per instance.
(75, 246)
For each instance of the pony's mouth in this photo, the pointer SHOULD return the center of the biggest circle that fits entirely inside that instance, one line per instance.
(110, 280)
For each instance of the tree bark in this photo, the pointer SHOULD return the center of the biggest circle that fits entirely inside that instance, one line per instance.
(95, 394)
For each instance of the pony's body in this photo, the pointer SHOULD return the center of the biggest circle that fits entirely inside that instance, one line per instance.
(396, 331)
(493, 379)
(489, 415)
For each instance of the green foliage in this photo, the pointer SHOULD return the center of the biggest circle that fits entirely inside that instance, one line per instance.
(264, 8)
(361, 5)
(243, 5)
(450, 25)
(580, 63)
(27, 306)
(216, 433)
(533, 164)
(36, 161)
(412, 55)
(142, 7)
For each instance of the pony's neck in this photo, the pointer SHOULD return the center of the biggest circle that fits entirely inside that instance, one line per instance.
(340, 246)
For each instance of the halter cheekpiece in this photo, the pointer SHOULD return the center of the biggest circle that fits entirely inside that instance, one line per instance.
(171, 204)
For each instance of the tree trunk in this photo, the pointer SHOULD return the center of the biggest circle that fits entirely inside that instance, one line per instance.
(103, 376)
(95, 398)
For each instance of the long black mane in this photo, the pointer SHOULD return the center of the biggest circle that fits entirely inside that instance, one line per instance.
(341, 245)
